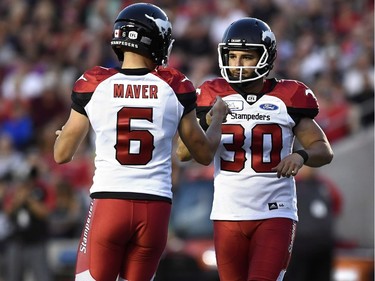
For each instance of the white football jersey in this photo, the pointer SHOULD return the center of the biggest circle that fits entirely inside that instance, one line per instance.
(134, 115)
(256, 136)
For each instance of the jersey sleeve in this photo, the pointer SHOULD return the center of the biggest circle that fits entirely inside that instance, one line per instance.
(188, 100)
(206, 97)
(85, 86)
(299, 99)
(204, 101)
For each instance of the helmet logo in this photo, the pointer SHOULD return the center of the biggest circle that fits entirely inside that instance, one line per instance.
(268, 34)
(133, 35)
(163, 25)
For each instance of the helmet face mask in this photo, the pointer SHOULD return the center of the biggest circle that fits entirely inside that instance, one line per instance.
(258, 69)
(145, 29)
(244, 35)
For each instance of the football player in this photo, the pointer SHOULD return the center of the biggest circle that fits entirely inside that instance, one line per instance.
(254, 208)
(135, 112)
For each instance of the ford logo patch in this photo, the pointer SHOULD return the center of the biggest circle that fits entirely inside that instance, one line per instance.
(269, 106)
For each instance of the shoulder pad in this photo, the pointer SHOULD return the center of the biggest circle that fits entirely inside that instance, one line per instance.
(175, 79)
(210, 89)
(91, 78)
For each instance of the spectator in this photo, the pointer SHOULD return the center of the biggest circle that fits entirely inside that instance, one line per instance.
(23, 81)
(359, 84)
(5, 226)
(11, 160)
(345, 18)
(265, 10)
(191, 28)
(337, 116)
(18, 125)
(65, 221)
(226, 13)
(26, 249)
(46, 107)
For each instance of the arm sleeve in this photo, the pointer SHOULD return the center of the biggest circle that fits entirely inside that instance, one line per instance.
(201, 115)
(79, 101)
(188, 100)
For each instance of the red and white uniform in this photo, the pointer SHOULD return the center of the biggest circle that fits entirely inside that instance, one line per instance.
(255, 138)
(135, 118)
(135, 114)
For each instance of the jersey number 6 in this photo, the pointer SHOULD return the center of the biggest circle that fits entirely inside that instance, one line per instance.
(133, 147)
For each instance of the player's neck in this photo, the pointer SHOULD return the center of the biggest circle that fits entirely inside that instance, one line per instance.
(255, 87)
(134, 60)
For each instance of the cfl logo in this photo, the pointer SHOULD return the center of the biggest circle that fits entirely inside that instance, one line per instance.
(133, 35)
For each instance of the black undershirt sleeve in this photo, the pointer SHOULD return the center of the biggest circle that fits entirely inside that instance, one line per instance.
(201, 114)
(79, 101)
(298, 113)
(188, 100)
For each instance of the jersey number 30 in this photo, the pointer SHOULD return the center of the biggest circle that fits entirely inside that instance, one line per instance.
(257, 148)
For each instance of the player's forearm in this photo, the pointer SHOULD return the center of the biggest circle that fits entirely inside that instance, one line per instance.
(204, 152)
(70, 137)
(62, 153)
(213, 136)
(201, 145)
(39, 209)
(182, 152)
(65, 147)
(210, 145)
(319, 154)
(213, 133)
(202, 148)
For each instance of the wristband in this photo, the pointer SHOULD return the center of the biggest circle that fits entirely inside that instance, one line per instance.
(303, 154)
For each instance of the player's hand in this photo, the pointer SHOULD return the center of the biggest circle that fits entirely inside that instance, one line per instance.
(208, 118)
(58, 132)
(220, 108)
(289, 166)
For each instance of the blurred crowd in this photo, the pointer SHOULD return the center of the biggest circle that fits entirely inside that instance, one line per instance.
(45, 45)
